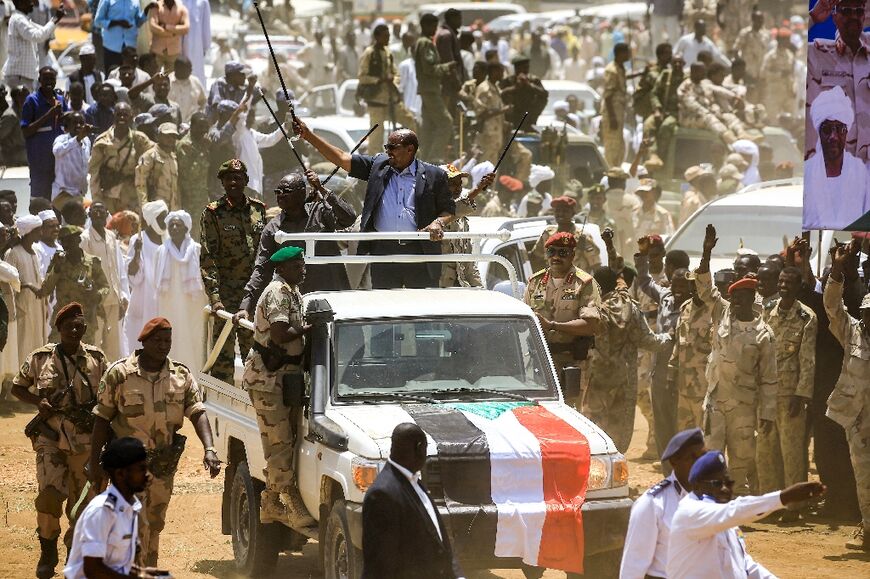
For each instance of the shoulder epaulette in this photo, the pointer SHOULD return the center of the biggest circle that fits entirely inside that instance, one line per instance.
(256, 201)
(94, 350)
(46, 349)
(582, 275)
(213, 206)
(659, 487)
(538, 273)
(111, 502)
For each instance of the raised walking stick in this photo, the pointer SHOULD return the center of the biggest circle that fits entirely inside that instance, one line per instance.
(281, 128)
(514, 136)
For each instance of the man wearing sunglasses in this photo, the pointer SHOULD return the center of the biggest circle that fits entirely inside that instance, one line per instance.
(566, 301)
(705, 541)
(842, 61)
(403, 194)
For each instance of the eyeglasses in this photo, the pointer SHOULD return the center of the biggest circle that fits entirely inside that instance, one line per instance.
(849, 10)
(828, 129)
(719, 483)
(283, 191)
(392, 146)
(561, 251)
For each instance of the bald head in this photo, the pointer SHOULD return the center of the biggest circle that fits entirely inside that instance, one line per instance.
(408, 446)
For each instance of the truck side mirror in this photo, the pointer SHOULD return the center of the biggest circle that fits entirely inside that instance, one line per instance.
(571, 382)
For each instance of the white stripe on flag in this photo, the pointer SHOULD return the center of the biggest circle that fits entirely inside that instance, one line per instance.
(517, 478)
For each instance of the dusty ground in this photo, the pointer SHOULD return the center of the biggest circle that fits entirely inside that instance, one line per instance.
(192, 546)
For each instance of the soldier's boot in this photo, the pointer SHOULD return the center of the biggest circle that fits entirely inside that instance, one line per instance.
(297, 514)
(47, 558)
(271, 508)
(859, 540)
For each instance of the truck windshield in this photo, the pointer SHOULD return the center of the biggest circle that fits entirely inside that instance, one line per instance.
(442, 358)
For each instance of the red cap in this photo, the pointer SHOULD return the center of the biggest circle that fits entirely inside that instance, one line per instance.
(563, 201)
(510, 183)
(152, 326)
(656, 240)
(71, 310)
(561, 239)
(744, 283)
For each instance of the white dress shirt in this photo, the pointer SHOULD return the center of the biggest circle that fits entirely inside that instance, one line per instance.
(689, 48)
(71, 158)
(649, 529)
(705, 542)
(414, 479)
(107, 530)
(23, 42)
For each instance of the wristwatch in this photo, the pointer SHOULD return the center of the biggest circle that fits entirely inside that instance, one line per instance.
(210, 449)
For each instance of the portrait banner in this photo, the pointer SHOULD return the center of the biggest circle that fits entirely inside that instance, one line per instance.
(837, 154)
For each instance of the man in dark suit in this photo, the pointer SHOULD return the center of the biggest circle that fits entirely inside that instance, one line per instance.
(403, 194)
(403, 535)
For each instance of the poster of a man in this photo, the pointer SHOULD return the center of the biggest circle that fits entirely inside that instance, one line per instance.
(836, 194)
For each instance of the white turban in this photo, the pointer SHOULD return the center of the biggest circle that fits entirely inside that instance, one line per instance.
(832, 105)
(27, 223)
(747, 147)
(479, 171)
(151, 210)
(180, 214)
(560, 106)
(46, 215)
(539, 174)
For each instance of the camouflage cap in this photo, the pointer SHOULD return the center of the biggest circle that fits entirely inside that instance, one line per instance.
(452, 171)
(68, 230)
(232, 166)
(616, 173)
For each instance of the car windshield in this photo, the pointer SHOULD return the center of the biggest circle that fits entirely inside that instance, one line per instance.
(443, 358)
(585, 95)
(760, 228)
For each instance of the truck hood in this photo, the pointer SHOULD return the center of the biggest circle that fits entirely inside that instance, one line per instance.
(369, 426)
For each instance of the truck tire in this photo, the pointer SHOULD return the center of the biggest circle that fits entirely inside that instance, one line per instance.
(255, 545)
(603, 565)
(341, 560)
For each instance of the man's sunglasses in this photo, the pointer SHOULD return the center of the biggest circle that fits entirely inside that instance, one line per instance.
(393, 146)
(561, 252)
(719, 483)
(282, 191)
(849, 10)
(828, 129)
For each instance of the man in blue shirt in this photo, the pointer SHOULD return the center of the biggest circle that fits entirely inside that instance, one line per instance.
(403, 194)
(40, 124)
(119, 22)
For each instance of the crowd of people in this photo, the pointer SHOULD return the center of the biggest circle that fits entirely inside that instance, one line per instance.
(156, 191)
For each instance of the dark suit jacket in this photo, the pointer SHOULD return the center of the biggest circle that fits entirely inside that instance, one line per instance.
(399, 540)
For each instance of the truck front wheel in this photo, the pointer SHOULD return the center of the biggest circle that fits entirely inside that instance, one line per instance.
(341, 560)
(255, 545)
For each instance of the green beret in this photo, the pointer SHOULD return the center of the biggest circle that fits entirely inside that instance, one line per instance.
(232, 166)
(286, 254)
(68, 230)
(520, 58)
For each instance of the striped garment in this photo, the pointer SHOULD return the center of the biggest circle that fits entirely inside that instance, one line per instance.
(524, 464)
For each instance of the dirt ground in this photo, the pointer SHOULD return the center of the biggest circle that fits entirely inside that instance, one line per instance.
(192, 546)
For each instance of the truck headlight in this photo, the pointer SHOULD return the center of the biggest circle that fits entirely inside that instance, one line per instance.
(599, 473)
(364, 472)
(619, 468)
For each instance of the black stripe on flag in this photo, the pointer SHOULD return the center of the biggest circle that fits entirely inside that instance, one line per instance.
(463, 475)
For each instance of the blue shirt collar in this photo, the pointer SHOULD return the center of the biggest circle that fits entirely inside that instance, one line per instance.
(409, 170)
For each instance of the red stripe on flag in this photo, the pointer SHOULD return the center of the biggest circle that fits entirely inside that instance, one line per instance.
(565, 459)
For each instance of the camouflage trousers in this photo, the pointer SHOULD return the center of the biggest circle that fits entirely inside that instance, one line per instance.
(614, 143)
(437, 130)
(275, 420)
(781, 454)
(645, 360)
(732, 428)
(726, 125)
(663, 131)
(610, 405)
(858, 436)
(691, 388)
(152, 517)
(60, 477)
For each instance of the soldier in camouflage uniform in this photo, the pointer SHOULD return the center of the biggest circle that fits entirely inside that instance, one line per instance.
(642, 97)
(61, 380)
(688, 364)
(612, 391)
(777, 70)
(437, 130)
(157, 171)
(146, 396)
(849, 403)
(594, 211)
(613, 103)
(662, 122)
(272, 370)
(698, 108)
(192, 152)
(587, 256)
(462, 274)
(75, 276)
(231, 228)
(782, 453)
(752, 45)
(566, 301)
(741, 396)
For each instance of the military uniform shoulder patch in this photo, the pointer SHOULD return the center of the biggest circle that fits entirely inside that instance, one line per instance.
(538, 274)
(212, 206)
(111, 502)
(91, 349)
(657, 488)
(582, 275)
(257, 202)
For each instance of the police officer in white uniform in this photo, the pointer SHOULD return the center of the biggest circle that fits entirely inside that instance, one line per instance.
(104, 542)
(705, 541)
(646, 543)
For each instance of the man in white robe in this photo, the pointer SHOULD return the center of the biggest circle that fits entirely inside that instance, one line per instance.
(196, 44)
(181, 294)
(47, 244)
(99, 242)
(30, 311)
(835, 181)
(9, 286)
(248, 143)
(142, 271)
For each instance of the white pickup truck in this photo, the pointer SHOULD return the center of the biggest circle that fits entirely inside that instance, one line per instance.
(516, 473)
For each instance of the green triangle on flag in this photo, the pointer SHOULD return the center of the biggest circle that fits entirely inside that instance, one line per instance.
(488, 410)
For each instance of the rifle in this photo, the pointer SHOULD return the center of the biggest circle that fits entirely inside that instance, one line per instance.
(38, 425)
(79, 414)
